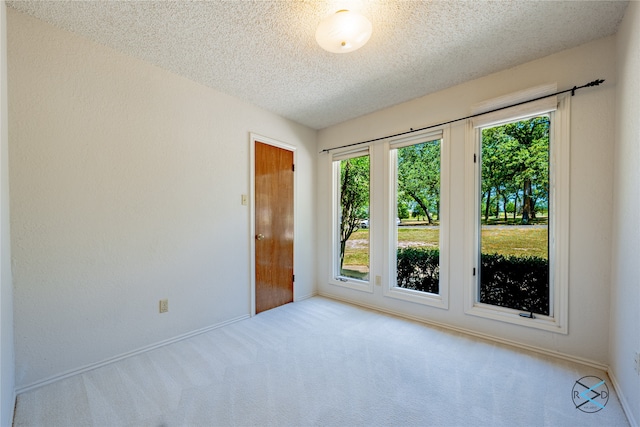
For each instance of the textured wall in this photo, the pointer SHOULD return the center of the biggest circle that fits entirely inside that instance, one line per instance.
(592, 141)
(125, 189)
(6, 285)
(625, 295)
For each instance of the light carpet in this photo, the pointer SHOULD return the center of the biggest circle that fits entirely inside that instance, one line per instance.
(320, 362)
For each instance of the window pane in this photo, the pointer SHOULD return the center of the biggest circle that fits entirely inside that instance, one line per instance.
(353, 230)
(514, 215)
(418, 220)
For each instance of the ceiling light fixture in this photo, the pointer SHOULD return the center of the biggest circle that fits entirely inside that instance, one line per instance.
(343, 32)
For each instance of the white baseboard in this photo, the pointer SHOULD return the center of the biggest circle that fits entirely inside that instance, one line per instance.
(110, 360)
(304, 297)
(13, 407)
(122, 356)
(622, 399)
(470, 332)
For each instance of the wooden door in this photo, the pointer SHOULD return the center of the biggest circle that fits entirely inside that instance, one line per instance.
(273, 226)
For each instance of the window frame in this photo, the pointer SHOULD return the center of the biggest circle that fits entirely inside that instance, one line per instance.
(390, 290)
(559, 174)
(335, 278)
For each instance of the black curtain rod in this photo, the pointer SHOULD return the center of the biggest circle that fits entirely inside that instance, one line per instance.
(412, 130)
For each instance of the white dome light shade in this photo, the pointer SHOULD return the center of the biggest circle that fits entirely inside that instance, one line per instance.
(343, 32)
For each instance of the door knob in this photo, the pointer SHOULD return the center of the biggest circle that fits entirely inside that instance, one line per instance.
(259, 236)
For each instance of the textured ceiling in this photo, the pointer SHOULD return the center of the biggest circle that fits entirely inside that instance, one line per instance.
(265, 51)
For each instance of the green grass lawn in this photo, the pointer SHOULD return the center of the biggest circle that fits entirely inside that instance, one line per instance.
(517, 241)
(420, 236)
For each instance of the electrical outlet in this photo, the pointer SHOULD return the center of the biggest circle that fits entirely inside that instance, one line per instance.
(164, 305)
(378, 280)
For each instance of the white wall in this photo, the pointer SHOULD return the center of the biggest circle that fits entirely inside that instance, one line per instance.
(126, 185)
(625, 292)
(6, 285)
(592, 140)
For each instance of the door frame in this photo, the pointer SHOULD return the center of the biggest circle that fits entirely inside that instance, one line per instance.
(254, 137)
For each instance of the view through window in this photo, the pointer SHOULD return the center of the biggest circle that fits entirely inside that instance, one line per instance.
(418, 216)
(353, 213)
(514, 215)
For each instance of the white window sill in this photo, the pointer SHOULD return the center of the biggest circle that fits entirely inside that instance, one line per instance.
(433, 300)
(345, 282)
(508, 315)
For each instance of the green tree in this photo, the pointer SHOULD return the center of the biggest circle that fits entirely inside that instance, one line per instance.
(515, 165)
(531, 165)
(354, 198)
(419, 176)
(403, 209)
(498, 150)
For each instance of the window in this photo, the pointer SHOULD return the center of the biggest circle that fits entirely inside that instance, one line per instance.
(418, 219)
(351, 247)
(518, 185)
(514, 215)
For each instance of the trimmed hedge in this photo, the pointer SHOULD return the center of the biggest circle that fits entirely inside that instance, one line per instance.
(521, 283)
(419, 269)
